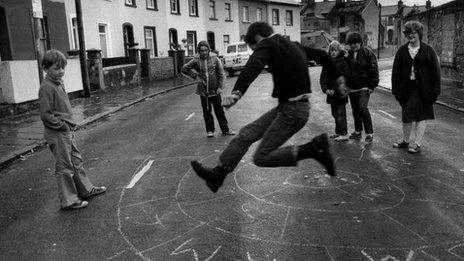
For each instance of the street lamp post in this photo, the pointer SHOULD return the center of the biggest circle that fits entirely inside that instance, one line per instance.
(378, 35)
(82, 54)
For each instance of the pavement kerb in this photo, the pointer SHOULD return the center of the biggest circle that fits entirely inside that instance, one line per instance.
(437, 102)
(42, 143)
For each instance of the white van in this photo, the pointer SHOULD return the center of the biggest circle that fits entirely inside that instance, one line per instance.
(236, 57)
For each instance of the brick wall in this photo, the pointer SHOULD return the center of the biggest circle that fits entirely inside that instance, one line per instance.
(161, 68)
(119, 75)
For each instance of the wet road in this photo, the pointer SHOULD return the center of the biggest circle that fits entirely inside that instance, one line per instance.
(384, 205)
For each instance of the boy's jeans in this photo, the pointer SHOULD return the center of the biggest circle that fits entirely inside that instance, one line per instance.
(69, 170)
(361, 115)
(339, 114)
(214, 102)
(275, 127)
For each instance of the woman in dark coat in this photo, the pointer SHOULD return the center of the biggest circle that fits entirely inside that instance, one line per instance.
(337, 98)
(416, 85)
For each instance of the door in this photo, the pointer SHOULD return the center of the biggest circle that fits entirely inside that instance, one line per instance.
(210, 39)
(102, 29)
(128, 38)
(191, 42)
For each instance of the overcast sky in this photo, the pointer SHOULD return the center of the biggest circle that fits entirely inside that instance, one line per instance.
(412, 2)
(409, 2)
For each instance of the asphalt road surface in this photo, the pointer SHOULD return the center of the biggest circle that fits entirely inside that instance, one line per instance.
(384, 205)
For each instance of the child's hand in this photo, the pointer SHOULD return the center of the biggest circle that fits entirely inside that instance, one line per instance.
(329, 92)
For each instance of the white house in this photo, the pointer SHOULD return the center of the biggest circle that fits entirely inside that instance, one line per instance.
(284, 16)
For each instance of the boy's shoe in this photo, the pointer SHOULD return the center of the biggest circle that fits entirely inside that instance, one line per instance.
(210, 134)
(333, 136)
(213, 177)
(229, 132)
(369, 138)
(341, 138)
(355, 136)
(95, 191)
(323, 155)
(401, 145)
(414, 149)
(77, 205)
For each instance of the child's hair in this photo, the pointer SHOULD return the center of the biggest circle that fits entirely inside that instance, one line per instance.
(54, 56)
(258, 28)
(335, 45)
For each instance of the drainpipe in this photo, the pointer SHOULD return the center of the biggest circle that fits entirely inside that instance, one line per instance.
(378, 34)
(82, 54)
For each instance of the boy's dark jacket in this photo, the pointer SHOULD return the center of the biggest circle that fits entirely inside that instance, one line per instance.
(343, 66)
(427, 70)
(287, 62)
(364, 71)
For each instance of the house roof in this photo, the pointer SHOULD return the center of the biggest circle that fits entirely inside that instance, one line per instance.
(319, 8)
(352, 7)
(413, 9)
(389, 10)
(285, 2)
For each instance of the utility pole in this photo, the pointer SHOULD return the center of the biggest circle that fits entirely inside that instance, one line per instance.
(82, 54)
(378, 35)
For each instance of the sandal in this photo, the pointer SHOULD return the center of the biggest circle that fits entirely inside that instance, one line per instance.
(95, 191)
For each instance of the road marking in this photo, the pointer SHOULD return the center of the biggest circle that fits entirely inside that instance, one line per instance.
(190, 116)
(139, 174)
(388, 114)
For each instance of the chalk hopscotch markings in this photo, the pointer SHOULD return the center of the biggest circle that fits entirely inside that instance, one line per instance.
(139, 174)
(117, 254)
(388, 114)
(447, 185)
(285, 224)
(451, 251)
(246, 211)
(190, 116)
(178, 251)
(429, 255)
(407, 228)
(438, 202)
(146, 201)
(388, 257)
(328, 253)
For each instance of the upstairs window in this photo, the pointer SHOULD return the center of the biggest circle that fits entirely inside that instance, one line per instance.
(228, 12)
(152, 4)
(289, 17)
(245, 14)
(212, 9)
(174, 7)
(130, 2)
(259, 15)
(193, 8)
(275, 17)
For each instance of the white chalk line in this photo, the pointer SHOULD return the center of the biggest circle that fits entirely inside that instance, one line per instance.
(388, 114)
(190, 116)
(139, 174)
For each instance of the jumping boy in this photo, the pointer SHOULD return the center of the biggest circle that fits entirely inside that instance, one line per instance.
(59, 125)
(287, 62)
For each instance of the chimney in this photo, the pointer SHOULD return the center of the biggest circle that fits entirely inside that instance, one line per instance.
(428, 4)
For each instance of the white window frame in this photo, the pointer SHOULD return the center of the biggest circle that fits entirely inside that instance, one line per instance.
(224, 40)
(130, 2)
(193, 4)
(151, 4)
(277, 20)
(212, 9)
(74, 33)
(228, 11)
(245, 14)
(106, 38)
(175, 10)
(153, 38)
(287, 17)
(259, 14)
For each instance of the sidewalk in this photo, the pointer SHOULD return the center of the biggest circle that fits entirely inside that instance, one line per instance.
(23, 134)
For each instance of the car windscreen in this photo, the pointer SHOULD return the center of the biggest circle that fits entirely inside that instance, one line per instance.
(242, 48)
(231, 49)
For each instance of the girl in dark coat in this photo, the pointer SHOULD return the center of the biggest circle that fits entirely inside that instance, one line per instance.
(337, 98)
(416, 85)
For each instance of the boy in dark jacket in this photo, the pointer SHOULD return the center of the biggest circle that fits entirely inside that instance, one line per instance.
(337, 98)
(287, 63)
(210, 74)
(57, 117)
(364, 78)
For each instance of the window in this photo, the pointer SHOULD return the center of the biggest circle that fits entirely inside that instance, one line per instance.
(191, 42)
(232, 49)
(226, 40)
(152, 4)
(259, 15)
(75, 35)
(173, 41)
(212, 9)
(228, 12)
(130, 2)
(175, 7)
(43, 34)
(193, 8)
(150, 41)
(245, 14)
(242, 48)
(275, 16)
(289, 17)
(102, 33)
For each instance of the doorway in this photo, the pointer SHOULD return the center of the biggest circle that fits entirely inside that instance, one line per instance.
(128, 32)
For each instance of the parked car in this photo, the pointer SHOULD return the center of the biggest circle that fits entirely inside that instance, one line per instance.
(317, 39)
(237, 55)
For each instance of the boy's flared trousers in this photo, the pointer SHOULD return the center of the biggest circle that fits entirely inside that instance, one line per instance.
(71, 178)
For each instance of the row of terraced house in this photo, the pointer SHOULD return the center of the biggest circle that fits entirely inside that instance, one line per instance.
(116, 29)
